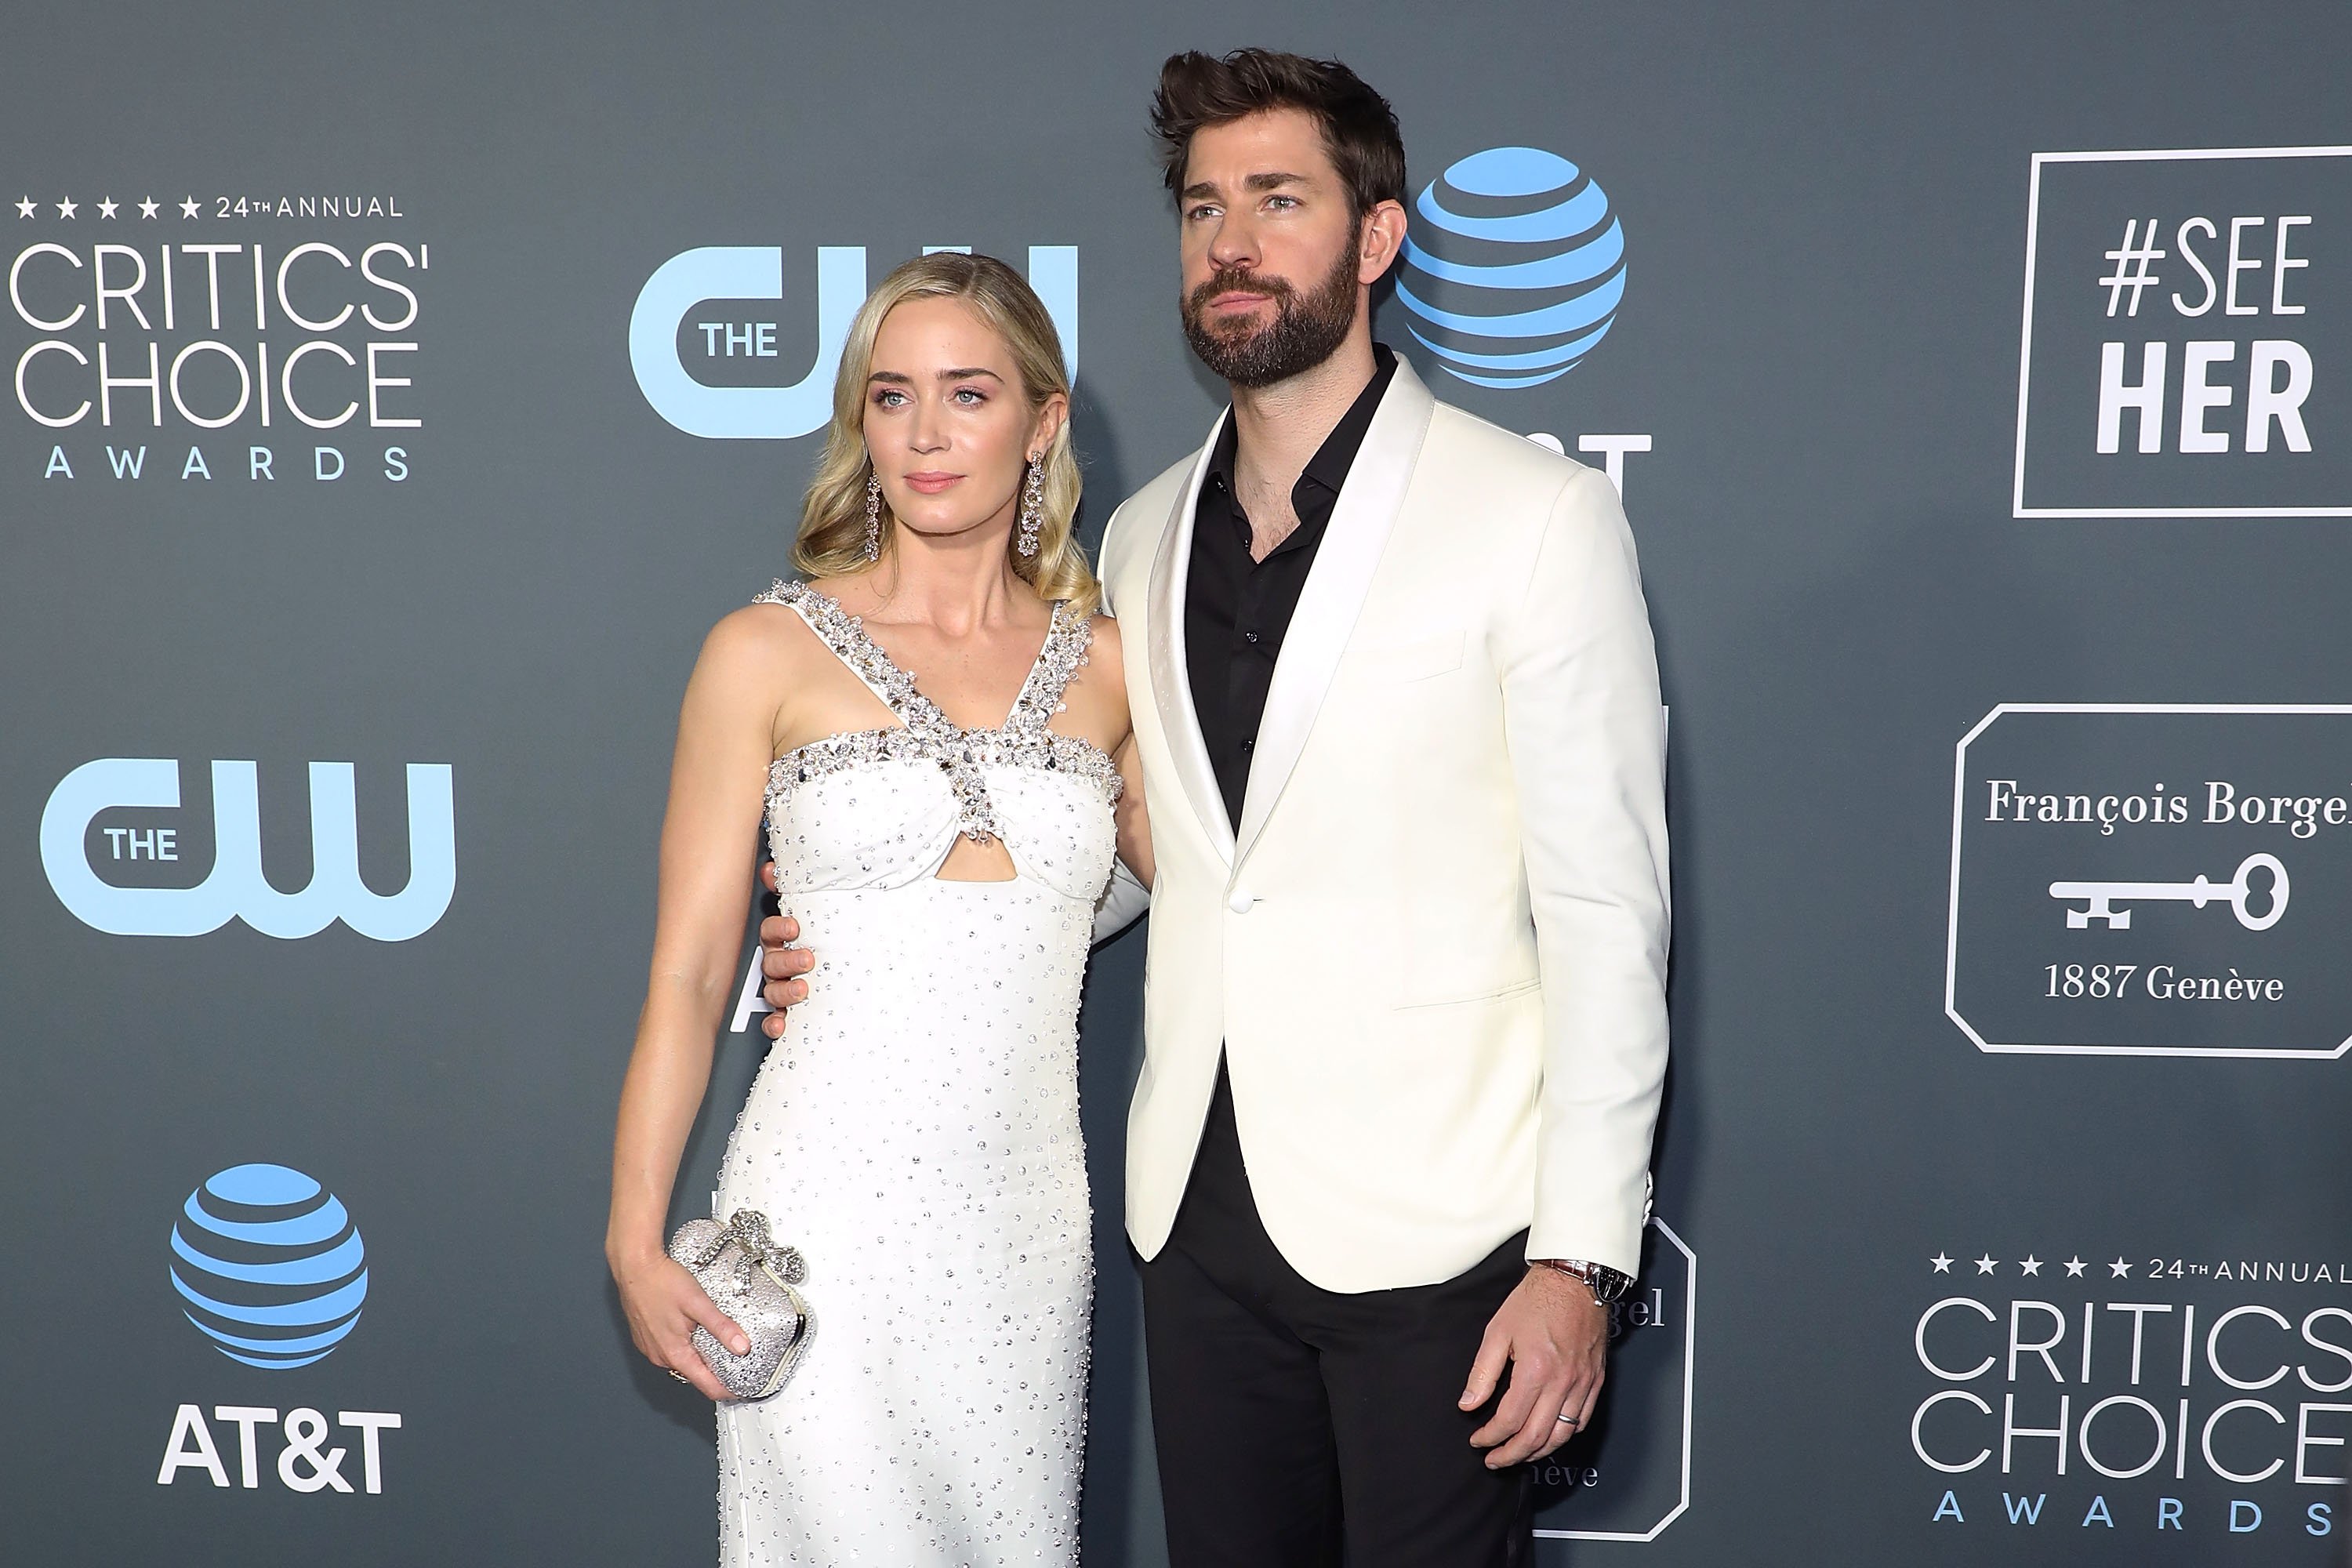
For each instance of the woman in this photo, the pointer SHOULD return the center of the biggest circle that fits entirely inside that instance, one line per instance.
(934, 724)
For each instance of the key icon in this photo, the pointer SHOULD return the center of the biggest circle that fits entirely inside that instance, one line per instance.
(2100, 897)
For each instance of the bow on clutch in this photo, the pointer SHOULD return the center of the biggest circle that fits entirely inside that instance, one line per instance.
(747, 1231)
(757, 1279)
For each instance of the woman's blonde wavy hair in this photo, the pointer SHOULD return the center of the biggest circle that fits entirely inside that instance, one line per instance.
(832, 540)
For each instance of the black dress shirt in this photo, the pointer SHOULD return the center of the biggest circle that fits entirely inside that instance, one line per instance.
(1236, 610)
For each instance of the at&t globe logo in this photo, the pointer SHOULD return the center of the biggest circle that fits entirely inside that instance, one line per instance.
(1514, 267)
(268, 1264)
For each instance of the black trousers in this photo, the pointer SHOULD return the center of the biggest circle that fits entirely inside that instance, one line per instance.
(1299, 1427)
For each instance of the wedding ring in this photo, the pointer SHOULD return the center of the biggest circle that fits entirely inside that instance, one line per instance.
(683, 1378)
(1569, 1419)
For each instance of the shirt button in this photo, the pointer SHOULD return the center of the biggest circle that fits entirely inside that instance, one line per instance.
(1249, 637)
(1249, 744)
(1239, 903)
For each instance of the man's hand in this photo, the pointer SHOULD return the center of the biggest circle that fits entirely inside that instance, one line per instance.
(781, 965)
(1553, 1336)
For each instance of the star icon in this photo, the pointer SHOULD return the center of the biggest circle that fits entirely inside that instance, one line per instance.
(2031, 1265)
(2119, 1270)
(1943, 1264)
(1985, 1265)
(188, 208)
(2074, 1269)
(25, 206)
(67, 207)
(106, 206)
(147, 208)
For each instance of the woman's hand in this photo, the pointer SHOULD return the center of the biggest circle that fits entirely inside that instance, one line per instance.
(663, 1304)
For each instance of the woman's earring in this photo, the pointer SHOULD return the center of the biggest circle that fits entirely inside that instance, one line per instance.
(873, 517)
(1033, 510)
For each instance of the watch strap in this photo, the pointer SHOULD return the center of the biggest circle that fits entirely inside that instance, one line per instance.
(1606, 1284)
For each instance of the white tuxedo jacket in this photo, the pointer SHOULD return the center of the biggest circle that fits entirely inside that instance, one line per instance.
(1461, 759)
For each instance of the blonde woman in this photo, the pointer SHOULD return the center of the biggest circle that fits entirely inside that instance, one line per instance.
(933, 724)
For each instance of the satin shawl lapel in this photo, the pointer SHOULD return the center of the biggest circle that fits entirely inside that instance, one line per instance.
(1336, 585)
(1171, 688)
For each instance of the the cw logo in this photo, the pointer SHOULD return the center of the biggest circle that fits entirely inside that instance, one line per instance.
(757, 272)
(235, 888)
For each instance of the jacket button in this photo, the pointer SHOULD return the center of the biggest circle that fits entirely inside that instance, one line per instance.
(1239, 903)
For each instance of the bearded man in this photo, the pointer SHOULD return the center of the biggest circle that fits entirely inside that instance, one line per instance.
(1391, 671)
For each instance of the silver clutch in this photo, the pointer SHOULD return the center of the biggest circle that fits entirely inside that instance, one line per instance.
(750, 1279)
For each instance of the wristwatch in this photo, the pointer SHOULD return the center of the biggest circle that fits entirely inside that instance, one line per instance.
(1606, 1284)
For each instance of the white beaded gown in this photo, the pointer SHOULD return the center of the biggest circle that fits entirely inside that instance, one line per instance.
(915, 1134)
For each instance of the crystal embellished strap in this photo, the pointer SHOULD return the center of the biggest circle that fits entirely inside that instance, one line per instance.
(1024, 738)
(1057, 665)
(845, 634)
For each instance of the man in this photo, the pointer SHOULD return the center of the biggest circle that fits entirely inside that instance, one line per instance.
(1391, 671)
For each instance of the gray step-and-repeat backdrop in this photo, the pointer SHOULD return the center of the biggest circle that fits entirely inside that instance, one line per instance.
(396, 394)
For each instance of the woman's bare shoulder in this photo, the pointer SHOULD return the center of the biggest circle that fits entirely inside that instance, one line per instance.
(1107, 644)
(1103, 680)
(762, 645)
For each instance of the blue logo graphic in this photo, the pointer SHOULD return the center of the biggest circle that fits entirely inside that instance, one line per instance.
(1523, 272)
(756, 272)
(270, 1266)
(235, 888)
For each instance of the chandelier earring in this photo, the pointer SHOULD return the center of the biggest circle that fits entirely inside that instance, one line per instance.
(873, 517)
(1033, 509)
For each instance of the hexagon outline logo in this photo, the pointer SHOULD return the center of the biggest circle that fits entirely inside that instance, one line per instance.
(1690, 1371)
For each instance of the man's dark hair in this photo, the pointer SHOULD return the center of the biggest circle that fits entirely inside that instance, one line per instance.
(1359, 128)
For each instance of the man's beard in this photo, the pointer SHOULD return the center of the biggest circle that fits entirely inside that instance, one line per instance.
(1307, 328)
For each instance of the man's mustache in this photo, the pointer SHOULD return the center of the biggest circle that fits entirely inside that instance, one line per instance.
(1239, 279)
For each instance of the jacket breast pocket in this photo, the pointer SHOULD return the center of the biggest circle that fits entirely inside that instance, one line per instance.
(1396, 663)
(1411, 1002)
